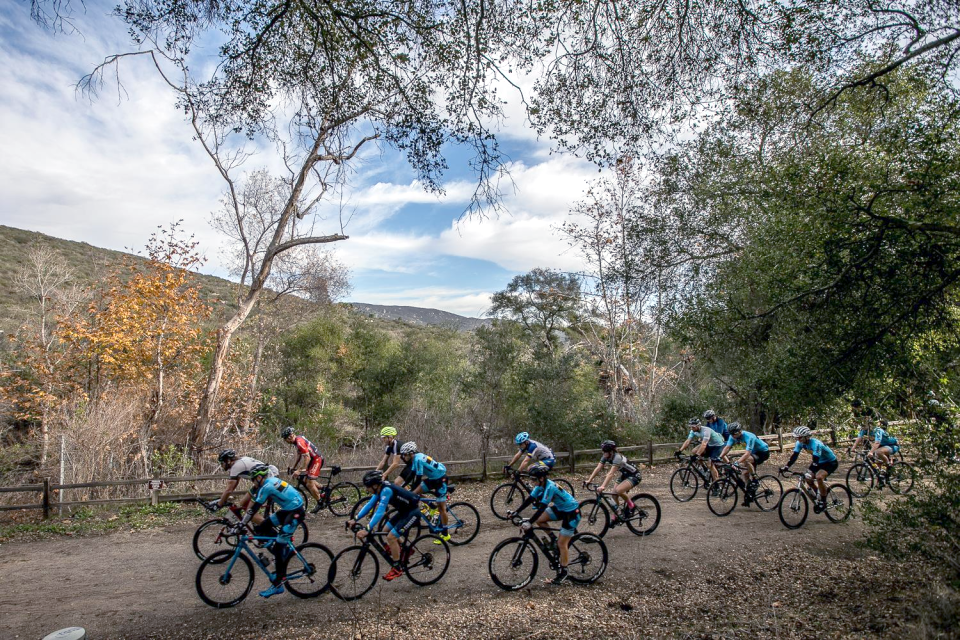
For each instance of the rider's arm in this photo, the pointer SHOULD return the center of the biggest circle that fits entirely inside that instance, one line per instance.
(258, 500)
(368, 507)
(793, 458)
(686, 443)
(392, 466)
(231, 487)
(513, 460)
(523, 463)
(608, 477)
(384, 462)
(296, 462)
(595, 472)
(385, 494)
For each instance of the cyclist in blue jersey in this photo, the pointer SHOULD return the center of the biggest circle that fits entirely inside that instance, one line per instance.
(824, 462)
(387, 494)
(290, 513)
(866, 418)
(884, 445)
(757, 452)
(711, 444)
(429, 474)
(532, 452)
(715, 422)
(565, 509)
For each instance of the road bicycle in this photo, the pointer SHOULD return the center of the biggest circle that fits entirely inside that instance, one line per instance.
(509, 495)
(642, 520)
(794, 505)
(463, 519)
(215, 535)
(764, 491)
(226, 577)
(686, 481)
(339, 499)
(355, 569)
(863, 476)
(514, 562)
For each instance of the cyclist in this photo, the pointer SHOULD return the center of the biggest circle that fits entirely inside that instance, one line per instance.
(884, 444)
(532, 451)
(565, 509)
(716, 423)
(309, 453)
(428, 474)
(865, 418)
(629, 474)
(239, 468)
(757, 452)
(391, 452)
(711, 444)
(824, 462)
(290, 513)
(387, 494)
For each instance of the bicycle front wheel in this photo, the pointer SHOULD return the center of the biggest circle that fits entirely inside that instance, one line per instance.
(342, 498)
(645, 517)
(513, 563)
(211, 537)
(594, 517)
(427, 560)
(463, 523)
(684, 484)
(839, 503)
(354, 572)
(793, 509)
(860, 480)
(722, 497)
(506, 497)
(224, 582)
(588, 558)
(308, 572)
(901, 478)
(768, 493)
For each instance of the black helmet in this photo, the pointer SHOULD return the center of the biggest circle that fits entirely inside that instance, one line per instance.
(286, 433)
(735, 427)
(227, 454)
(608, 445)
(539, 471)
(259, 471)
(371, 478)
(693, 422)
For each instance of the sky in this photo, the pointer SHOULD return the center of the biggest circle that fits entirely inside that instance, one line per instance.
(110, 171)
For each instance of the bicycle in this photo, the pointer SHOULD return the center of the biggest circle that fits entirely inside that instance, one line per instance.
(463, 519)
(794, 504)
(224, 579)
(214, 535)
(686, 481)
(510, 494)
(514, 562)
(862, 476)
(642, 520)
(765, 491)
(355, 569)
(338, 499)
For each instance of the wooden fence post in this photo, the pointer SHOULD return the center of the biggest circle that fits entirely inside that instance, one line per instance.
(483, 461)
(46, 498)
(650, 453)
(154, 497)
(780, 438)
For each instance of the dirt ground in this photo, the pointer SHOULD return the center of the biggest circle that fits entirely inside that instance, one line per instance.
(697, 576)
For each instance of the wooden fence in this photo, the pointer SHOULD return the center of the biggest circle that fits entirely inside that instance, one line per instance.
(50, 494)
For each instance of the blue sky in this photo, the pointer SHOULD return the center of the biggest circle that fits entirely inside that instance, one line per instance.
(109, 172)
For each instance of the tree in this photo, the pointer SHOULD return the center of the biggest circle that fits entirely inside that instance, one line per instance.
(544, 302)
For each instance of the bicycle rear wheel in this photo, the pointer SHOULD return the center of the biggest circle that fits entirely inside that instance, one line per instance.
(565, 485)
(793, 509)
(722, 497)
(306, 497)
(594, 517)
(588, 558)
(506, 497)
(768, 493)
(463, 523)
(427, 560)
(354, 572)
(646, 514)
(860, 480)
(223, 584)
(308, 572)
(360, 504)
(684, 484)
(211, 537)
(839, 503)
(343, 496)
(901, 477)
(513, 563)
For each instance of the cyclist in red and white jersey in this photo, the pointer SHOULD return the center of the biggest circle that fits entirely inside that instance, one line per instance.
(307, 452)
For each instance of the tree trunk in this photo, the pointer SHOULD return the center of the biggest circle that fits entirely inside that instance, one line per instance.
(254, 380)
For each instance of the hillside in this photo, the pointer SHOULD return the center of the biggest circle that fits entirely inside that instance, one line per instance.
(419, 315)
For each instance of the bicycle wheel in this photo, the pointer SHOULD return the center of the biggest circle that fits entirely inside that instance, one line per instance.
(360, 504)
(901, 478)
(306, 497)
(343, 496)
(684, 484)
(223, 584)
(588, 558)
(860, 480)
(506, 497)
(839, 503)
(426, 560)
(645, 517)
(594, 517)
(308, 572)
(354, 572)
(566, 486)
(211, 537)
(463, 523)
(513, 563)
(768, 493)
(793, 509)
(722, 497)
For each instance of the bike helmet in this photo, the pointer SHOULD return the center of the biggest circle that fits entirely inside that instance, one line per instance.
(259, 471)
(371, 478)
(693, 422)
(801, 432)
(286, 433)
(735, 427)
(539, 471)
(709, 414)
(388, 431)
(608, 445)
(226, 454)
(408, 447)
(522, 437)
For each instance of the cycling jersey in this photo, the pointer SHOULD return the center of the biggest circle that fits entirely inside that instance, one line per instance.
(393, 449)
(551, 493)
(713, 438)
(424, 465)
(618, 460)
(306, 448)
(720, 427)
(285, 497)
(884, 438)
(753, 443)
(817, 449)
(241, 468)
(389, 495)
(537, 451)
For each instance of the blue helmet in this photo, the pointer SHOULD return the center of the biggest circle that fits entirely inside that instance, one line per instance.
(522, 437)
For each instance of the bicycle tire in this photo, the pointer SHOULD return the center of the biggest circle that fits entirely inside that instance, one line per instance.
(565, 485)
(722, 497)
(900, 477)
(588, 558)
(240, 571)
(305, 495)
(839, 503)
(860, 480)
(509, 562)
(211, 534)
(359, 506)
(354, 572)
(466, 514)
(646, 516)
(685, 479)
(313, 578)
(798, 510)
(768, 493)
(427, 561)
(594, 517)
(504, 497)
(343, 496)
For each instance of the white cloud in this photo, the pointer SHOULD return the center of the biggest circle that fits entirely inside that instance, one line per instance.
(465, 302)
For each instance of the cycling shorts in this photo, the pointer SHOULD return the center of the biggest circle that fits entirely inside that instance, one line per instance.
(894, 448)
(633, 478)
(759, 457)
(568, 520)
(401, 521)
(829, 467)
(313, 470)
(714, 452)
(281, 522)
(548, 462)
(437, 487)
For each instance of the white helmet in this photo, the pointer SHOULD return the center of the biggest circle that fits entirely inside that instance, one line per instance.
(801, 432)
(408, 447)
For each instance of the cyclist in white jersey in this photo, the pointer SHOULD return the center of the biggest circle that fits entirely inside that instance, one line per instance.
(239, 468)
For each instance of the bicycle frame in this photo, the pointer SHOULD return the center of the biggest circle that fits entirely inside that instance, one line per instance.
(382, 548)
(433, 521)
(699, 467)
(243, 547)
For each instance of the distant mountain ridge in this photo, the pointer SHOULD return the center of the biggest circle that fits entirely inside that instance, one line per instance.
(420, 315)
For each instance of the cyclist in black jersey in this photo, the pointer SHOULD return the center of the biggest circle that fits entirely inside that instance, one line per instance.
(387, 494)
(391, 453)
